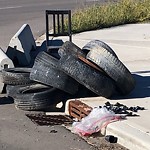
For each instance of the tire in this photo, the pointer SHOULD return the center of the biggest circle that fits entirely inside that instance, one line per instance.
(46, 59)
(114, 68)
(87, 76)
(1, 76)
(11, 90)
(16, 76)
(97, 44)
(69, 47)
(35, 97)
(46, 71)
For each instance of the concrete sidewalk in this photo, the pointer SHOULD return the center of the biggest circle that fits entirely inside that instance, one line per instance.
(132, 45)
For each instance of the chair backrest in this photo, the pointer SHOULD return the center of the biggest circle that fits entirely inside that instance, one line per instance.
(57, 22)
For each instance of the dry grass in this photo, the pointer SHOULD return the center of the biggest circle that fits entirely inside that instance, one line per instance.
(112, 14)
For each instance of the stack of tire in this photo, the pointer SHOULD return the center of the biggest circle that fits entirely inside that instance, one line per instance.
(27, 94)
(96, 67)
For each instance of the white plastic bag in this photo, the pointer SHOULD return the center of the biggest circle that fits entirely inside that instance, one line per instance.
(95, 121)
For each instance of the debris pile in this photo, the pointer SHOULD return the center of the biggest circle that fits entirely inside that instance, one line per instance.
(122, 109)
(97, 119)
(95, 68)
(79, 110)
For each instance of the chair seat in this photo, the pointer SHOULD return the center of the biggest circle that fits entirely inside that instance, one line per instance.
(53, 51)
(53, 47)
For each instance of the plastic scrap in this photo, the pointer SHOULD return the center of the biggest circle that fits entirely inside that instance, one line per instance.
(95, 121)
(119, 108)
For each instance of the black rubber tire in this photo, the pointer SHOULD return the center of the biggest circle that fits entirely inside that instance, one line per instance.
(87, 76)
(114, 68)
(46, 70)
(69, 47)
(1, 76)
(45, 58)
(11, 90)
(35, 97)
(16, 76)
(97, 44)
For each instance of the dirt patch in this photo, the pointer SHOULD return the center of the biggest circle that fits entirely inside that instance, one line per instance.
(101, 144)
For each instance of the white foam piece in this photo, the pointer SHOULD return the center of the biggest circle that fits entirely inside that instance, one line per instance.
(20, 46)
(5, 62)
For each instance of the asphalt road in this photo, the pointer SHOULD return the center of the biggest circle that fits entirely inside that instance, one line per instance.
(16, 130)
(15, 13)
(15, 135)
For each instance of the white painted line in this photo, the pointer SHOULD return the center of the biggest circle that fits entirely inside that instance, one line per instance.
(92, 0)
(12, 7)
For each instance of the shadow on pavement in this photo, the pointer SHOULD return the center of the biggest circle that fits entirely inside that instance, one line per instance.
(142, 88)
(56, 42)
(6, 100)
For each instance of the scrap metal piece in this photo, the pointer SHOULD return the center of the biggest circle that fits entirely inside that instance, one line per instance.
(119, 108)
(78, 110)
(45, 120)
(111, 139)
(90, 64)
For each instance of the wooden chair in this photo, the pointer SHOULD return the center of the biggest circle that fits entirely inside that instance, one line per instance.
(57, 27)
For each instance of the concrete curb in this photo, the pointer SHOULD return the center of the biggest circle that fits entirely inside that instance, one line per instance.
(130, 134)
